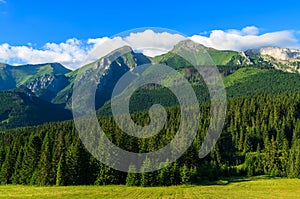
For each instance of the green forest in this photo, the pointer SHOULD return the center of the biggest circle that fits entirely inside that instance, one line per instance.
(261, 136)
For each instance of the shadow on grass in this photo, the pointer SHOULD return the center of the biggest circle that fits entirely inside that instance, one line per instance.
(230, 180)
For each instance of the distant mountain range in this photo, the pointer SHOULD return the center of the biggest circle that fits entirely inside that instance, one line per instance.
(44, 80)
(30, 91)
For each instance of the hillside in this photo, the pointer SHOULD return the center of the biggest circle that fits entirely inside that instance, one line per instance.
(248, 81)
(107, 69)
(252, 81)
(245, 74)
(20, 107)
(260, 137)
(44, 80)
(21, 75)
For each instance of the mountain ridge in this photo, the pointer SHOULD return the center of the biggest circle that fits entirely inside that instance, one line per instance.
(53, 83)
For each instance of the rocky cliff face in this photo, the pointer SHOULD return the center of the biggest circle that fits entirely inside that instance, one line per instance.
(284, 59)
(47, 86)
(283, 54)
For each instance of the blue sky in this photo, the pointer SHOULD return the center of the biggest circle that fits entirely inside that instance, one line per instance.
(56, 21)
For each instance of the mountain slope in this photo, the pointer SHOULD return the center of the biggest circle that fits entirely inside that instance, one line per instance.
(247, 81)
(109, 69)
(45, 80)
(244, 75)
(20, 107)
(252, 81)
(27, 73)
(202, 56)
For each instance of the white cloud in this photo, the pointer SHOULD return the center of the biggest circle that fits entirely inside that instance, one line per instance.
(250, 30)
(102, 46)
(152, 43)
(246, 38)
(148, 42)
(74, 53)
(2, 1)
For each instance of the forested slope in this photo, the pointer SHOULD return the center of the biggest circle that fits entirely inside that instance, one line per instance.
(261, 136)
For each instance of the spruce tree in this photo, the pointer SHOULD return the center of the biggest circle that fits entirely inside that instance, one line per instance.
(185, 175)
(164, 174)
(61, 171)
(18, 166)
(30, 159)
(132, 178)
(44, 166)
(106, 176)
(7, 168)
(147, 178)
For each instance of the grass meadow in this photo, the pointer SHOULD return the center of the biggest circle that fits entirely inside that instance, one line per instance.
(260, 187)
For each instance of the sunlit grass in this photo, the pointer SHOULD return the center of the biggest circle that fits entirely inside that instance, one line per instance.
(254, 188)
(240, 188)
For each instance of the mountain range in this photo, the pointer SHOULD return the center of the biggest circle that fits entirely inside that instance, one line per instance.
(34, 94)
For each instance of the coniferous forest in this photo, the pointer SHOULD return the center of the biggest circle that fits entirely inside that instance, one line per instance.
(261, 135)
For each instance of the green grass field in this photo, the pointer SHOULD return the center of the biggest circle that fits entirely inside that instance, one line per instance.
(260, 187)
(244, 188)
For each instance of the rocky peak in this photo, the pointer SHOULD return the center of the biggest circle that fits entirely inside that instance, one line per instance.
(47, 86)
(284, 54)
(188, 45)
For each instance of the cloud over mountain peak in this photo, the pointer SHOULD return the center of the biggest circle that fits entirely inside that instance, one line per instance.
(74, 53)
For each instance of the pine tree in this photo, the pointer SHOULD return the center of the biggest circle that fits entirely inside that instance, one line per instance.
(147, 178)
(2, 154)
(71, 177)
(8, 165)
(247, 144)
(185, 175)
(61, 171)
(132, 178)
(44, 165)
(106, 176)
(174, 174)
(7, 168)
(284, 158)
(193, 174)
(297, 167)
(58, 150)
(164, 174)
(18, 166)
(297, 161)
(30, 160)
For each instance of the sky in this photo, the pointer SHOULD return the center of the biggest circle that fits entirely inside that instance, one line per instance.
(71, 32)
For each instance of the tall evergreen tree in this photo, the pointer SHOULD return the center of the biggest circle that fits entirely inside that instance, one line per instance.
(7, 168)
(132, 178)
(61, 171)
(147, 178)
(44, 166)
(30, 159)
(18, 166)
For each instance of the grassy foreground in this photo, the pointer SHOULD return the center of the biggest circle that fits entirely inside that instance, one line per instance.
(254, 188)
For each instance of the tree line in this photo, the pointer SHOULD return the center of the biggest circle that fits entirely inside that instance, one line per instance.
(261, 136)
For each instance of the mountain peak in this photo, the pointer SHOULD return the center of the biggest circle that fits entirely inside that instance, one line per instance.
(192, 53)
(122, 56)
(188, 45)
(114, 55)
(283, 54)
